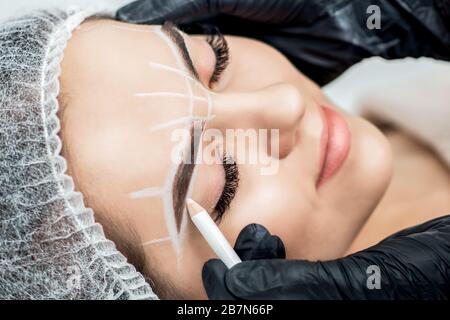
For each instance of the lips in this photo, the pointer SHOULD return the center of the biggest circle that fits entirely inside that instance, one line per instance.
(334, 144)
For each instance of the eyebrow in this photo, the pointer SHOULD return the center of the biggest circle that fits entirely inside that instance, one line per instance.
(174, 34)
(185, 170)
(183, 176)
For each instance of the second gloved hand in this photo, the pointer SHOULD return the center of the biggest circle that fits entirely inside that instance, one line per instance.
(321, 38)
(254, 242)
(411, 264)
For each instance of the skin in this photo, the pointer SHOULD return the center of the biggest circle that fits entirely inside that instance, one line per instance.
(111, 151)
(418, 191)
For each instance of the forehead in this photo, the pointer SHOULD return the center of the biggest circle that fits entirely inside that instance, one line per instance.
(124, 101)
(115, 81)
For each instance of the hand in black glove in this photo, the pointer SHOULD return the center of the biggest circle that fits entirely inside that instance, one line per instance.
(322, 38)
(253, 243)
(413, 264)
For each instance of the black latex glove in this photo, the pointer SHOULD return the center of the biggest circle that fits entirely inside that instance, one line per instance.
(413, 264)
(253, 243)
(321, 37)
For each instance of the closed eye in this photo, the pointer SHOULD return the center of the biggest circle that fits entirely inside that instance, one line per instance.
(218, 44)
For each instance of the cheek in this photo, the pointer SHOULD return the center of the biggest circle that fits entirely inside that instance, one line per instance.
(277, 205)
(183, 271)
(308, 231)
(352, 195)
(186, 268)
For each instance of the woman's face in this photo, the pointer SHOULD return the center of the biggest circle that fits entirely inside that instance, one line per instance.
(125, 95)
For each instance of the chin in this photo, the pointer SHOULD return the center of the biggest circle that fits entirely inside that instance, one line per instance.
(371, 167)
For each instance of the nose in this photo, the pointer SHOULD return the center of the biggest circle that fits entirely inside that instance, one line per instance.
(280, 106)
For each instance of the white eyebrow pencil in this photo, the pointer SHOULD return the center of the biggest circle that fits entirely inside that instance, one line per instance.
(209, 230)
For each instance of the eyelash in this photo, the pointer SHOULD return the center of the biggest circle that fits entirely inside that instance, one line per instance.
(220, 47)
(229, 190)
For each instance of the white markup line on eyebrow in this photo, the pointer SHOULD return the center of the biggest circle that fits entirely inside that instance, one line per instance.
(166, 192)
(172, 69)
(180, 65)
(147, 193)
(174, 122)
(186, 76)
(156, 241)
(184, 224)
(168, 208)
(168, 201)
(171, 222)
(185, 216)
(209, 114)
(170, 94)
(150, 30)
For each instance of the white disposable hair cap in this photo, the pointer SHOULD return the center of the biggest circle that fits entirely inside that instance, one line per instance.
(50, 245)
